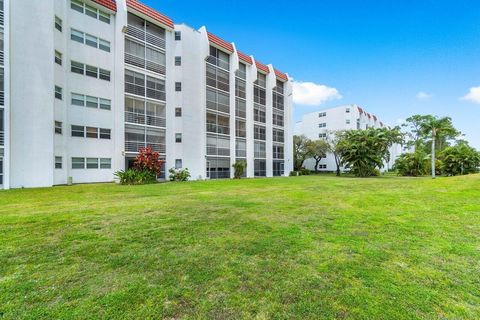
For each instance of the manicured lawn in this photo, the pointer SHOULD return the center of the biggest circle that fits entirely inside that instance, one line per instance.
(304, 247)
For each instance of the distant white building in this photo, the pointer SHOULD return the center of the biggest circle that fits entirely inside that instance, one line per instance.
(317, 125)
(84, 84)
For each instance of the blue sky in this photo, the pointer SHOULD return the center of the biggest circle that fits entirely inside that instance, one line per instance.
(394, 58)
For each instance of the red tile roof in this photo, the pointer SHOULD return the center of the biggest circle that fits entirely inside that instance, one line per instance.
(262, 67)
(375, 118)
(109, 4)
(219, 42)
(149, 12)
(244, 57)
(281, 75)
(360, 110)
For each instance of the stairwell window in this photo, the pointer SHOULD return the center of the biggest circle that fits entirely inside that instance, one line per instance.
(58, 127)
(178, 36)
(178, 86)
(58, 92)
(178, 137)
(58, 58)
(178, 61)
(58, 162)
(178, 112)
(178, 163)
(58, 23)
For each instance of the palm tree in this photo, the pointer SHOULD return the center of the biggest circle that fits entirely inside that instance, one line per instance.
(436, 128)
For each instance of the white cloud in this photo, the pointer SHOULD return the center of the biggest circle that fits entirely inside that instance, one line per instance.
(473, 95)
(423, 95)
(312, 94)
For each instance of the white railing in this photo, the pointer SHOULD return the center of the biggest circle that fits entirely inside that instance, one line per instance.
(219, 63)
(141, 62)
(216, 128)
(141, 118)
(146, 36)
(2, 138)
(1, 17)
(135, 146)
(214, 151)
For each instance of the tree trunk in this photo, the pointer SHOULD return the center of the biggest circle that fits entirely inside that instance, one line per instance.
(316, 165)
(433, 154)
(338, 166)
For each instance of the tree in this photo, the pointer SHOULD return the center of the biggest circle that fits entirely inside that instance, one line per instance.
(439, 129)
(414, 131)
(301, 151)
(333, 140)
(460, 159)
(365, 151)
(412, 164)
(239, 168)
(317, 149)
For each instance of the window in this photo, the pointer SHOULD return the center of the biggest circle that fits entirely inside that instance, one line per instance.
(91, 71)
(90, 11)
(278, 151)
(259, 133)
(178, 137)
(92, 132)
(322, 125)
(78, 163)
(178, 86)
(58, 58)
(104, 74)
(58, 127)
(322, 114)
(105, 104)
(347, 110)
(58, 23)
(178, 112)
(347, 121)
(178, 163)
(322, 135)
(91, 41)
(104, 45)
(78, 36)
(105, 133)
(322, 166)
(105, 163)
(78, 67)
(78, 99)
(91, 102)
(78, 131)
(92, 163)
(178, 61)
(178, 36)
(58, 162)
(58, 92)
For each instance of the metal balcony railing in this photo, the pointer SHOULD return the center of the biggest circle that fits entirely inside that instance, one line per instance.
(216, 128)
(135, 146)
(214, 151)
(2, 138)
(141, 62)
(2, 18)
(219, 63)
(141, 118)
(146, 36)
(241, 74)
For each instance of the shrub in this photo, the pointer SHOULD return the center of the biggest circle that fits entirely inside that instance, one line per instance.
(148, 160)
(239, 168)
(179, 174)
(294, 173)
(304, 172)
(412, 164)
(459, 159)
(133, 176)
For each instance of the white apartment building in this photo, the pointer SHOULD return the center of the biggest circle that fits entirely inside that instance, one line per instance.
(92, 81)
(317, 125)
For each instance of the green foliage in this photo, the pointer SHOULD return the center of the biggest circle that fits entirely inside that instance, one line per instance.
(460, 159)
(334, 142)
(239, 168)
(304, 172)
(412, 164)
(179, 174)
(364, 151)
(301, 151)
(317, 149)
(134, 176)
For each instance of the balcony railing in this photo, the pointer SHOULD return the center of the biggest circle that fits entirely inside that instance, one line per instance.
(216, 128)
(2, 55)
(141, 62)
(141, 118)
(1, 17)
(241, 153)
(241, 74)
(214, 151)
(216, 106)
(2, 138)
(135, 146)
(145, 36)
(219, 63)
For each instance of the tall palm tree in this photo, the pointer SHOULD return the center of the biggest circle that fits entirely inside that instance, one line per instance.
(437, 127)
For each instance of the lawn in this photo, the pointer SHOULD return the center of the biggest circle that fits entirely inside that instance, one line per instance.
(303, 247)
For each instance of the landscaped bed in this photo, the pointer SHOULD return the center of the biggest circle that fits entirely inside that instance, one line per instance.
(301, 247)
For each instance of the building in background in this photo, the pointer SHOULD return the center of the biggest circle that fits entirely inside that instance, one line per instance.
(91, 82)
(317, 125)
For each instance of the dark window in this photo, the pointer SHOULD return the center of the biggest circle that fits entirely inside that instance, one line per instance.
(178, 112)
(178, 86)
(178, 35)
(178, 137)
(178, 61)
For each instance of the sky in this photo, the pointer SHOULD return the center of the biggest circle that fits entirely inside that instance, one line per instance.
(394, 58)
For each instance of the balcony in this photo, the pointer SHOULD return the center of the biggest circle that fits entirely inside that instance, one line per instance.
(2, 138)
(141, 118)
(212, 150)
(145, 36)
(219, 63)
(241, 74)
(135, 146)
(2, 18)
(141, 62)
(216, 128)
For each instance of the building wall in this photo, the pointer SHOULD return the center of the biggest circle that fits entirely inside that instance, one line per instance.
(31, 144)
(347, 117)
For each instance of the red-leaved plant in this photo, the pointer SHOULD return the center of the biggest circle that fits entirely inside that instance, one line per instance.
(148, 160)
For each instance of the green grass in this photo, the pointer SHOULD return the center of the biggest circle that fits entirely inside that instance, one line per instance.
(303, 247)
